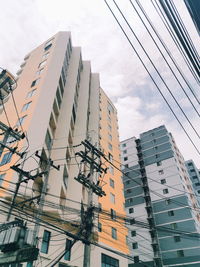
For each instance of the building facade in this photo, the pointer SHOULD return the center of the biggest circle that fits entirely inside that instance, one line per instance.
(60, 104)
(160, 201)
(194, 177)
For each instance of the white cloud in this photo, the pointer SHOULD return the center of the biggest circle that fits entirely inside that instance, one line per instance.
(132, 120)
(25, 24)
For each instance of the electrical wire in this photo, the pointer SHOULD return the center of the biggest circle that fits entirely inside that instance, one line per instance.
(5, 113)
(153, 79)
(168, 52)
(180, 30)
(174, 37)
(157, 71)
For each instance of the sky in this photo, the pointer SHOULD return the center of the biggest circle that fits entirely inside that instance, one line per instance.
(26, 24)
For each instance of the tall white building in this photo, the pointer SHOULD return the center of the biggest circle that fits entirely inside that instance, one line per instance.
(60, 104)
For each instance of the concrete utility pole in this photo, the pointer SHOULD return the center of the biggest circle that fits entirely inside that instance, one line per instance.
(9, 132)
(22, 174)
(91, 156)
(49, 164)
(89, 219)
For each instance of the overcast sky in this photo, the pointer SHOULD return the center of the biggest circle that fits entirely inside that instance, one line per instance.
(26, 24)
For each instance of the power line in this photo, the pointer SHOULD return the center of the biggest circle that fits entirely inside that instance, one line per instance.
(153, 79)
(162, 79)
(179, 28)
(5, 113)
(168, 52)
(174, 38)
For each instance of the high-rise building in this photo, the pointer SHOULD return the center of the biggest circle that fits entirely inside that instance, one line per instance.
(194, 9)
(194, 177)
(60, 104)
(160, 201)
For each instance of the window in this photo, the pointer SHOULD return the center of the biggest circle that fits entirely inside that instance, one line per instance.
(42, 64)
(130, 210)
(127, 182)
(62, 265)
(45, 241)
(198, 191)
(65, 176)
(35, 82)
(134, 245)
(180, 253)
(165, 191)
(29, 264)
(113, 214)
(171, 213)
(100, 207)
(39, 71)
(174, 226)
(112, 183)
(67, 255)
(114, 233)
(197, 184)
(48, 140)
(48, 45)
(132, 221)
(129, 200)
(99, 227)
(126, 165)
(109, 127)
(136, 259)
(177, 238)
(110, 108)
(112, 198)
(6, 158)
(26, 106)
(163, 181)
(111, 169)
(125, 151)
(124, 145)
(45, 56)
(110, 146)
(2, 176)
(125, 158)
(31, 93)
(161, 172)
(107, 261)
(110, 157)
(133, 233)
(21, 120)
(110, 137)
(159, 163)
(128, 191)
(168, 201)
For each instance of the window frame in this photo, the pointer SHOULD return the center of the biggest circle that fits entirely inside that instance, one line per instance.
(45, 241)
(114, 233)
(26, 106)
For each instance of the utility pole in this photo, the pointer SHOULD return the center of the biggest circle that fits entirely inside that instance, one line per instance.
(49, 164)
(90, 215)
(9, 132)
(91, 156)
(22, 174)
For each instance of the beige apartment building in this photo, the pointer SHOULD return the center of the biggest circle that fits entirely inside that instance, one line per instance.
(60, 104)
